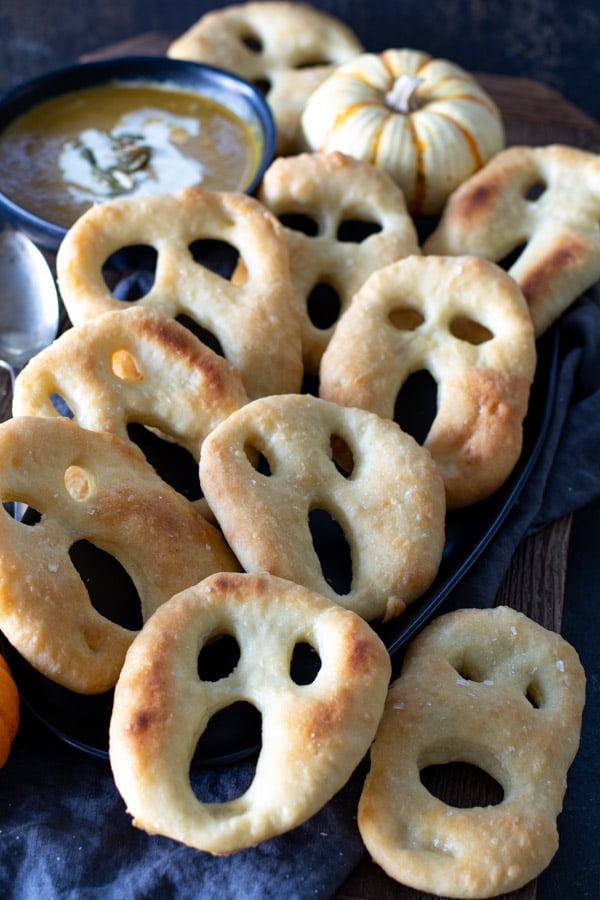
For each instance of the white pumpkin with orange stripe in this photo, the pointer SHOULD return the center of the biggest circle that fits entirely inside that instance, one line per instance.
(425, 121)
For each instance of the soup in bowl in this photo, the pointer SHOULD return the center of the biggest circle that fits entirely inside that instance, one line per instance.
(126, 126)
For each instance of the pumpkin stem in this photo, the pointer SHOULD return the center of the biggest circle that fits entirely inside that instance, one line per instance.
(402, 96)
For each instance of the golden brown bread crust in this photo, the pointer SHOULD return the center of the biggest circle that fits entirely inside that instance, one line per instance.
(389, 502)
(253, 316)
(88, 487)
(500, 208)
(493, 689)
(332, 189)
(431, 313)
(133, 365)
(313, 735)
(289, 47)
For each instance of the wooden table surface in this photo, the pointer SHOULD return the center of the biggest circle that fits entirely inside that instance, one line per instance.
(535, 580)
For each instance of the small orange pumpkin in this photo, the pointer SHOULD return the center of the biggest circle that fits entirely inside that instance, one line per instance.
(9, 710)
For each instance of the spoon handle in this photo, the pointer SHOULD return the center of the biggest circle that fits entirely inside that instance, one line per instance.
(8, 368)
(17, 509)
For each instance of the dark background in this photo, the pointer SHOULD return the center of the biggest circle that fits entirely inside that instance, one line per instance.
(554, 41)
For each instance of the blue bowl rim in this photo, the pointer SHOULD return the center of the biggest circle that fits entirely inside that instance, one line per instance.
(24, 96)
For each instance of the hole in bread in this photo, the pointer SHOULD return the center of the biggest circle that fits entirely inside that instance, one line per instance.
(425, 226)
(416, 405)
(19, 509)
(355, 231)
(323, 306)
(263, 85)
(300, 222)
(305, 663)
(78, 482)
(535, 190)
(462, 785)
(252, 42)
(470, 670)
(332, 549)
(111, 591)
(508, 261)
(310, 383)
(257, 459)
(210, 786)
(209, 339)
(219, 257)
(534, 694)
(232, 730)
(405, 318)
(466, 329)
(218, 657)
(125, 367)
(60, 405)
(341, 455)
(172, 462)
(312, 62)
(129, 273)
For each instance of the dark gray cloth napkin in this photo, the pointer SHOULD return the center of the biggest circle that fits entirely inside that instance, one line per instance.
(567, 473)
(64, 831)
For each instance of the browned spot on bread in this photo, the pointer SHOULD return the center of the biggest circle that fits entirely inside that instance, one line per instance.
(361, 654)
(323, 725)
(477, 199)
(142, 719)
(169, 334)
(224, 583)
(570, 252)
(215, 370)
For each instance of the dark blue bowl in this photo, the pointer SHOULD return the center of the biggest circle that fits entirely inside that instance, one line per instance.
(233, 92)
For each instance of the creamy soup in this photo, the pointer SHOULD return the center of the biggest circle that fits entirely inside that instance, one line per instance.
(94, 144)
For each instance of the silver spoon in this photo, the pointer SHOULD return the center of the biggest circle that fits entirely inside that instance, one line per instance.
(29, 307)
